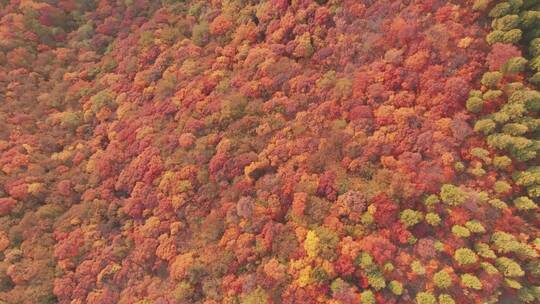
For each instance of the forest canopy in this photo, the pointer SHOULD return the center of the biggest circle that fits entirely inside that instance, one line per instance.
(265, 152)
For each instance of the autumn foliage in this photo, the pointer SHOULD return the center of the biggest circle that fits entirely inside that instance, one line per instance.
(240, 151)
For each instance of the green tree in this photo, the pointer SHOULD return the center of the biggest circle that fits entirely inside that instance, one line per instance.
(417, 268)
(425, 297)
(525, 203)
(471, 281)
(446, 299)
(200, 34)
(433, 219)
(500, 10)
(515, 129)
(442, 279)
(460, 231)
(376, 280)
(491, 79)
(492, 94)
(494, 37)
(504, 242)
(484, 251)
(482, 154)
(475, 226)
(506, 23)
(534, 47)
(514, 65)
(409, 217)
(485, 126)
(465, 256)
(509, 268)
(452, 195)
(475, 104)
(257, 296)
(367, 297)
(512, 36)
(395, 287)
(501, 187)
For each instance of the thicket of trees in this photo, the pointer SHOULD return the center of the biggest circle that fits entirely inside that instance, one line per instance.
(277, 151)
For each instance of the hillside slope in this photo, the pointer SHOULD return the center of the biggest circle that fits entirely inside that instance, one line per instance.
(275, 151)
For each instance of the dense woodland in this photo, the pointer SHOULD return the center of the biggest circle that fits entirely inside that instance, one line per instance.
(280, 151)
